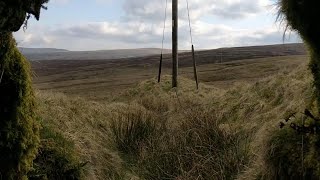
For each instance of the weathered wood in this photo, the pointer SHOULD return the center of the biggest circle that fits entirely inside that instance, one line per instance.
(195, 67)
(174, 43)
(160, 68)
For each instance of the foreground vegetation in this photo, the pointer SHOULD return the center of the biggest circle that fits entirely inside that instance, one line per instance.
(153, 132)
(212, 134)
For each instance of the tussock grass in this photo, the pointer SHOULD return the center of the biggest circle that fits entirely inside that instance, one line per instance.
(197, 149)
(133, 129)
(284, 156)
(153, 132)
(85, 124)
(56, 158)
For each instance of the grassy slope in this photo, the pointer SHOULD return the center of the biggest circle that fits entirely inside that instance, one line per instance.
(98, 80)
(251, 108)
(249, 52)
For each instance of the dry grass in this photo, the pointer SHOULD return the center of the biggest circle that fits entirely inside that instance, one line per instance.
(149, 132)
(85, 123)
(102, 80)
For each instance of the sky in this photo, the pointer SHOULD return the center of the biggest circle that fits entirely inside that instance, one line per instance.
(126, 24)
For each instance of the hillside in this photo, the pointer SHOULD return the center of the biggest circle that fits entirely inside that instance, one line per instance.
(152, 132)
(96, 80)
(41, 54)
(124, 125)
(40, 51)
(204, 56)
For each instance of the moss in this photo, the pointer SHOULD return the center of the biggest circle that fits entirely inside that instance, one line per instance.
(14, 12)
(19, 135)
(19, 131)
(11, 17)
(285, 156)
(302, 16)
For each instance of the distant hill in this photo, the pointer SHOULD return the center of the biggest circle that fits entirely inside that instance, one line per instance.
(96, 77)
(239, 53)
(221, 55)
(28, 51)
(61, 54)
(204, 56)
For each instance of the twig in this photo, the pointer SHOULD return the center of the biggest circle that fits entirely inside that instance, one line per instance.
(1, 75)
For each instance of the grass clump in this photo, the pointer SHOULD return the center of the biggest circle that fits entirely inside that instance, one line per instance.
(290, 157)
(200, 148)
(56, 159)
(284, 155)
(186, 134)
(87, 124)
(133, 130)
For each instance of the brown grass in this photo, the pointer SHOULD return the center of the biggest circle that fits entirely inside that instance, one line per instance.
(150, 132)
(101, 80)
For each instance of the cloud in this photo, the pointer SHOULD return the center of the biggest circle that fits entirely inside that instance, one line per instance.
(108, 35)
(237, 9)
(143, 23)
(226, 9)
(59, 2)
(29, 39)
(64, 2)
(103, 1)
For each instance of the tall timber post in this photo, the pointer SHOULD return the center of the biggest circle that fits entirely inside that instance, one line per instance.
(174, 43)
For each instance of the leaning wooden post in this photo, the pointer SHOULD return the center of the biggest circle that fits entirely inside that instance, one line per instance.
(160, 68)
(195, 67)
(174, 43)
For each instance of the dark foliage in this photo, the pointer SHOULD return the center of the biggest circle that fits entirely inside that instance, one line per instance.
(294, 150)
(56, 159)
(302, 16)
(13, 13)
(288, 157)
(19, 135)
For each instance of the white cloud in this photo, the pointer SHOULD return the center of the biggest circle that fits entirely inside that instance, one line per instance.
(106, 35)
(59, 2)
(142, 27)
(226, 9)
(64, 2)
(104, 2)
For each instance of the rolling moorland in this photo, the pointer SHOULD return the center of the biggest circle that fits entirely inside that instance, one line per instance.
(127, 126)
(62, 54)
(102, 79)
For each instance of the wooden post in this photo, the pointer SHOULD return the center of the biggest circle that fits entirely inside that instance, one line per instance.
(195, 68)
(160, 67)
(174, 43)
